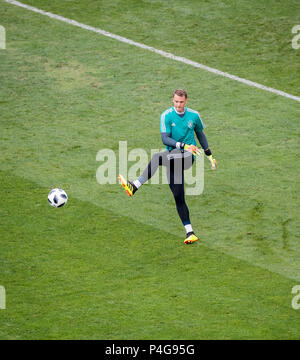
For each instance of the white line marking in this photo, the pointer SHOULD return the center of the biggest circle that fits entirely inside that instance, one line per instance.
(159, 52)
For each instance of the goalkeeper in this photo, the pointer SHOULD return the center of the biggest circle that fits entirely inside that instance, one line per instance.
(177, 126)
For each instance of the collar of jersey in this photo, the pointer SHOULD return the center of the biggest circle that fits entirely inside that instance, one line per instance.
(180, 113)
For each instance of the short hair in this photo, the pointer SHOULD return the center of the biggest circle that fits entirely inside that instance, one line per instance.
(180, 92)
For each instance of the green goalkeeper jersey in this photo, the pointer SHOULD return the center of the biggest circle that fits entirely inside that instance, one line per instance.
(181, 127)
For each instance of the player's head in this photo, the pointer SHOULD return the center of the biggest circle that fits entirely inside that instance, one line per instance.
(180, 92)
(179, 100)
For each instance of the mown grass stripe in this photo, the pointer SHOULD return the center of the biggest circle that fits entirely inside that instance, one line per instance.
(157, 51)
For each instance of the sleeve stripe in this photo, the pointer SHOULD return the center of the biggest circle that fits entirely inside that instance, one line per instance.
(203, 126)
(163, 120)
(163, 123)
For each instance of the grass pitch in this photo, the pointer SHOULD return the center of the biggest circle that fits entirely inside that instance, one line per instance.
(110, 267)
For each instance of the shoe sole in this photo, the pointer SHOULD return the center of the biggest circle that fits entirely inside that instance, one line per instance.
(124, 184)
(188, 242)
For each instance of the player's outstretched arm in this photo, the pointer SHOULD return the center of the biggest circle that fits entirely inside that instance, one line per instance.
(204, 143)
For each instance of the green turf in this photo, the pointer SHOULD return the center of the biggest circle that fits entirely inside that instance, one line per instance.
(251, 39)
(107, 266)
(84, 272)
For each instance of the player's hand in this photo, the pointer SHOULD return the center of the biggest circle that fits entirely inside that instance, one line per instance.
(213, 162)
(192, 149)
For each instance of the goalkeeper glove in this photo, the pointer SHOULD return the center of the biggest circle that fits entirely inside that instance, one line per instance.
(213, 162)
(191, 148)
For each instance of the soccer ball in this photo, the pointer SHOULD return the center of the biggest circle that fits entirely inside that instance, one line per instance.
(57, 198)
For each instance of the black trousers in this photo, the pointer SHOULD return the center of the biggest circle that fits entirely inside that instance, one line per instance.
(175, 162)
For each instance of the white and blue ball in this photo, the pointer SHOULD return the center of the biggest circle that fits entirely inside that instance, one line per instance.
(57, 198)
